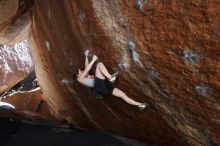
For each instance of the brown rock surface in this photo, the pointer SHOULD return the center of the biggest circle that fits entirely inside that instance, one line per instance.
(15, 20)
(31, 103)
(167, 52)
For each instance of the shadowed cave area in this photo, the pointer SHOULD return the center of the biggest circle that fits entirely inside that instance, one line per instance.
(166, 52)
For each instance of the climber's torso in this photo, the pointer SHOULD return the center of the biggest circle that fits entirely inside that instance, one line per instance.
(88, 81)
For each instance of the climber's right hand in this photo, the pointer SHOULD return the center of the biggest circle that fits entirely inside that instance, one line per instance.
(94, 57)
(87, 52)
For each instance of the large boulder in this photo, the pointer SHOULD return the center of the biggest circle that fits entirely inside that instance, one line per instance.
(167, 52)
(15, 59)
(15, 64)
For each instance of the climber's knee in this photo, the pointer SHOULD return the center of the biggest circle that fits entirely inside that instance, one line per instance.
(99, 64)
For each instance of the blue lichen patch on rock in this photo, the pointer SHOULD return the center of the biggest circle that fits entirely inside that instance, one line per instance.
(203, 88)
(154, 73)
(191, 57)
(82, 16)
(139, 4)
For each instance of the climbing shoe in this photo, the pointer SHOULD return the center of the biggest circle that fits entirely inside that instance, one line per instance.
(143, 106)
(114, 76)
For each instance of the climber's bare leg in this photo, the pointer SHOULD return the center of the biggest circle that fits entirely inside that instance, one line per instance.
(98, 73)
(118, 93)
(102, 72)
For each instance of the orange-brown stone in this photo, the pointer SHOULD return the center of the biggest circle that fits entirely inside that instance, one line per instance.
(31, 103)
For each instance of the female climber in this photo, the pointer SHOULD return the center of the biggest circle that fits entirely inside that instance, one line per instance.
(102, 82)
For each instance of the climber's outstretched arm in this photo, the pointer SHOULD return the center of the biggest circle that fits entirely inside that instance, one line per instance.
(89, 66)
(86, 58)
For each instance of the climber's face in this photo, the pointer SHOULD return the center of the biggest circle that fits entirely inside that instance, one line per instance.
(79, 73)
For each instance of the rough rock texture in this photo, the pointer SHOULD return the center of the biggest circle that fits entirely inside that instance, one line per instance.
(168, 55)
(15, 64)
(15, 20)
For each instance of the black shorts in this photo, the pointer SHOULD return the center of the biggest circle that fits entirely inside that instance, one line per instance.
(102, 87)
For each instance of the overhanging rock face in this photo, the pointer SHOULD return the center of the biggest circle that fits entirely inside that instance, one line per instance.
(167, 53)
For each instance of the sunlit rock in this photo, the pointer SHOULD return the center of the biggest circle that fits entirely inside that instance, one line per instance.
(15, 64)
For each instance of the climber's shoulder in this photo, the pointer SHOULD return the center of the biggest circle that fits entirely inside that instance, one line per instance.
(80, 79)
